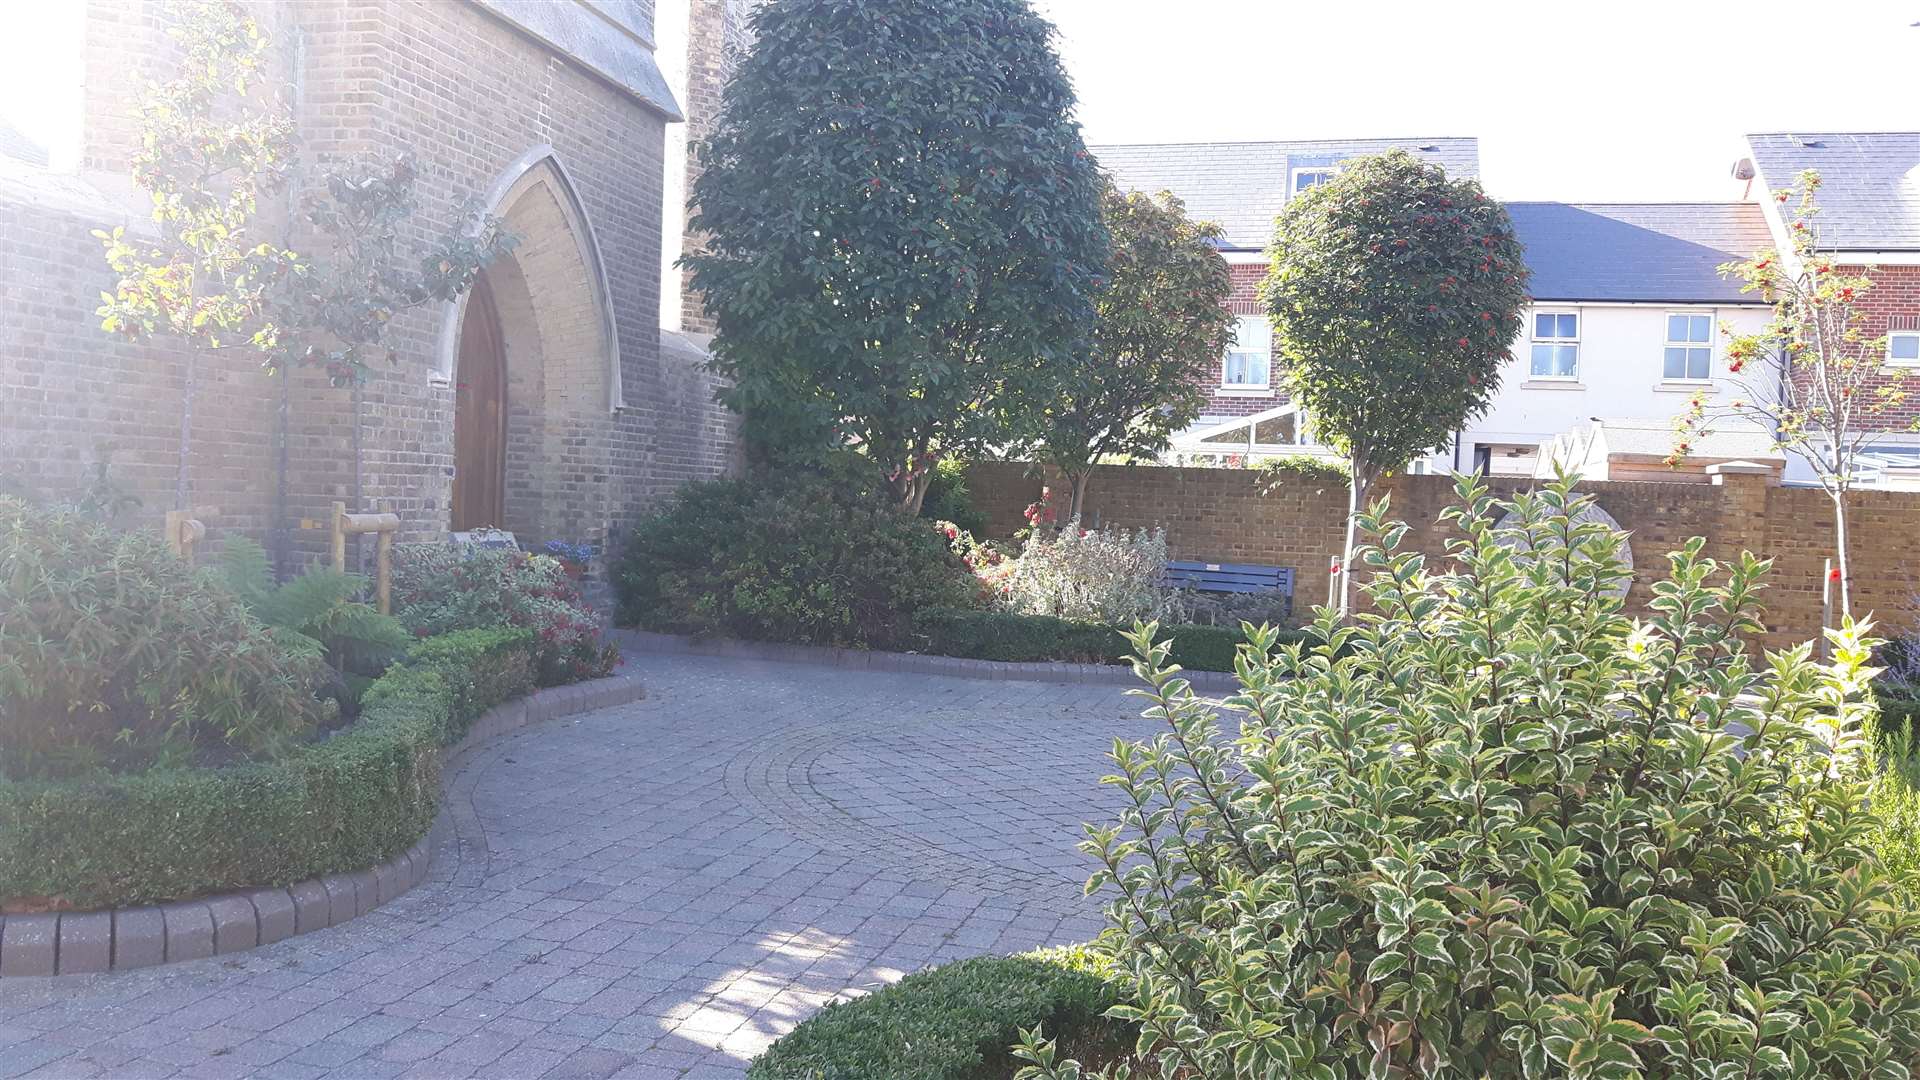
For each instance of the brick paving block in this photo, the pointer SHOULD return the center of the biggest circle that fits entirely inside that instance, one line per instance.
(139, 938)
(236, 927)
(28, 944)
(312, 907)
(189, 930)
(277, 918)
(341, 901)
(86, 942)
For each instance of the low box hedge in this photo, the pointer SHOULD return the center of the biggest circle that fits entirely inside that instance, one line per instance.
(999, 635)
(343, 804)
(954, 1022)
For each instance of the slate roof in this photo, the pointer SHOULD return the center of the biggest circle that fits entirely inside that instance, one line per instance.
(15, 144)
(1661, 252)
(1869, 183)
(1241, 185)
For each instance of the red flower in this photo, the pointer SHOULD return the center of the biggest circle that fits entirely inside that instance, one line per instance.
(1464, 343)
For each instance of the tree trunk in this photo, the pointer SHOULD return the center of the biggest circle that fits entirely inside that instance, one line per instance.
(916, 490)
(1357, 489)
(186, 426)
(1077, 483)
(1840, 544)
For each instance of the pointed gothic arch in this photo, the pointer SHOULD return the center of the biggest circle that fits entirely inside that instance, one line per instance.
(535, 344)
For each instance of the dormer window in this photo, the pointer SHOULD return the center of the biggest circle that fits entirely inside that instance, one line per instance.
(1311, 176)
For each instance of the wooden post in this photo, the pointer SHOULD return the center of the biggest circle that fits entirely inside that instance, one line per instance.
(183, 530)
(384, 526)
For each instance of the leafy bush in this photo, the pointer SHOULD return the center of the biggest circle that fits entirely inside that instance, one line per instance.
(317, 612)
(806, 563)
(350, 802)
(954, 1022)
(439, 588)
(1096, 575)
(1516, 833)
(1001, 635)
(115, 654)
(948, 498)
(1230, 609)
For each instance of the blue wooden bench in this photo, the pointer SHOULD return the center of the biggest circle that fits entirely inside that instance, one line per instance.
(1229, 578)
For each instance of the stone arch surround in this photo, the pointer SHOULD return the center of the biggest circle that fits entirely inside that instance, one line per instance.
(562, 356)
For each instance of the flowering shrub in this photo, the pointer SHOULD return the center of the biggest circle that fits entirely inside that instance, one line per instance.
(439, 588)
(1513, 832)
(578, 554)
(1090, 575)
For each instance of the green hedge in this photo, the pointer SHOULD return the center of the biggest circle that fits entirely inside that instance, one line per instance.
(343, 804)
(998, 635)
(951, 1023)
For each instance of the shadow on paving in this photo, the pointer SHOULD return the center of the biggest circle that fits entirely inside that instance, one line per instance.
(655, 890)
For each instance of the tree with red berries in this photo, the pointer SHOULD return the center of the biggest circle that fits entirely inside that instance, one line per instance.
(902, 228)
(1396, 295)
(1812, 377)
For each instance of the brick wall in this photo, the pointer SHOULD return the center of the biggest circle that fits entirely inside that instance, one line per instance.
(1895, 296)
(1245, 300)
(718, 34)
(469, 96)
(1222, 515)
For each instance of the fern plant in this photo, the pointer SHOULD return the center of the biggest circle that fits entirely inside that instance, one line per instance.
(317, 613)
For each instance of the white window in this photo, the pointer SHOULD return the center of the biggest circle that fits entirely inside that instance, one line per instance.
(1689, 355)
(1556, 344)
(1312, 177)
(1250, 355)
(1903, 348)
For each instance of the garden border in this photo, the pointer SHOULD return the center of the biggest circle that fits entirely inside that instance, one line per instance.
(120, 939)
(642, 642)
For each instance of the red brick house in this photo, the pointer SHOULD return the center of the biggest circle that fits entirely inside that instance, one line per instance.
(1869, 202)
(542, 402)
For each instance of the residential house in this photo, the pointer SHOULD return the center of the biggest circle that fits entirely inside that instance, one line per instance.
(1242, 187)
(1869, 222)
(1626, 320)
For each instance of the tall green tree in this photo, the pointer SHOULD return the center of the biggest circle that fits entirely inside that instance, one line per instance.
(1161, 326)
(1396, 295)
(902, 227)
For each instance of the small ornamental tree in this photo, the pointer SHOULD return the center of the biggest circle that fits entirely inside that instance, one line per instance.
(1811, 376)
(901, 223)
(213, 141)
(211, 144)
(1497, 828)
(1162, 324)
(1396, 295)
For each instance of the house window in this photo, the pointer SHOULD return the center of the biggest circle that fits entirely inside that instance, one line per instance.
(1903, 348)
(1311, 177)
(1250, 355)
(1556, 344)
(1689, 354)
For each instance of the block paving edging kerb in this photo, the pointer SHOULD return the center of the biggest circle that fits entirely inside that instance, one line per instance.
(119, 939)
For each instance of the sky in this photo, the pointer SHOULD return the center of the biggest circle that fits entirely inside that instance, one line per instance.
(1620, 101)
(1623, 100)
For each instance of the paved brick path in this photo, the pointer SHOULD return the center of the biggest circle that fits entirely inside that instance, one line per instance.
(657, 890)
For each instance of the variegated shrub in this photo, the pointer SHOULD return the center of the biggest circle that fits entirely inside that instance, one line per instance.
(1496, 827)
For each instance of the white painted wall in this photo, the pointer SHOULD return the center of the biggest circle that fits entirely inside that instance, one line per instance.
(1619, 375)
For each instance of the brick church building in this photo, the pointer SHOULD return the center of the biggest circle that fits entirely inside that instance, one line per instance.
(542, 402)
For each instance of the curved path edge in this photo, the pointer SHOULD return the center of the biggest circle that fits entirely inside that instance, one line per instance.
(644, 641)
(118, 939)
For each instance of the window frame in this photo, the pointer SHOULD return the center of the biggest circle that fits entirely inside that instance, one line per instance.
(1670, 343)
(1901, 362)
(1325, 172)
(1534, 338)
(1264, 387)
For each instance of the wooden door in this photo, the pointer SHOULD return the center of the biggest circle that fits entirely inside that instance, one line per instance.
(480, 416)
